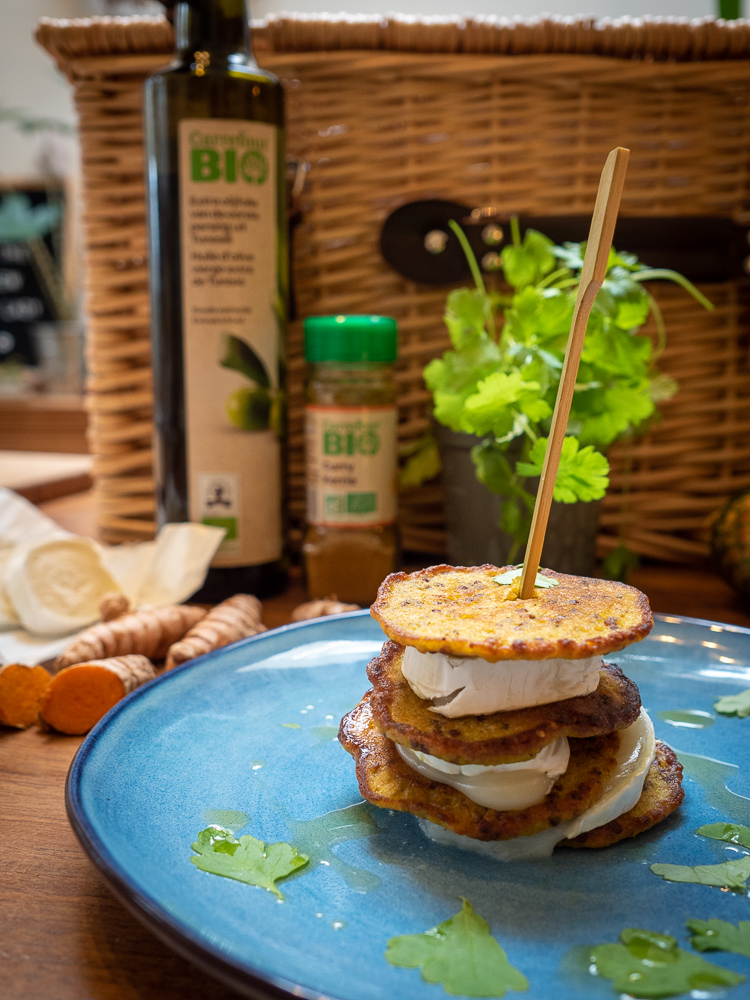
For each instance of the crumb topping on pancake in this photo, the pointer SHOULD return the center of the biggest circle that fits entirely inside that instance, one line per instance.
(502, 737)
(662, 794)
(461, 611)
(386, 780)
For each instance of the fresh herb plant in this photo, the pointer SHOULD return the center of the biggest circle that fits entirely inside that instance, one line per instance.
(460, 953)
(500, 380)
(647, 964)
(247, 860)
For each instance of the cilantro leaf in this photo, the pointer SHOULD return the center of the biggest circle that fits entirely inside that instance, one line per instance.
(529, 262)
(619, 563)
(609, 412)
(513, 574)
(734, 704)
(423, 465)
(582, 474)
(461, 954)
(247, 860)
(492, 467)
(494, 471)
(465, 315)
(571, 255)
(497, 401)
(727, 875)
(719, 935)
(454, 377)
(734, 833)
(647, 964)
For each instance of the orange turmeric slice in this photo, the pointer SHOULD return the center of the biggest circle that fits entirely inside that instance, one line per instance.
(21, 689)
(79, 696)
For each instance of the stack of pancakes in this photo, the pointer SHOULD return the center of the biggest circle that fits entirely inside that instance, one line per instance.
(496, 721)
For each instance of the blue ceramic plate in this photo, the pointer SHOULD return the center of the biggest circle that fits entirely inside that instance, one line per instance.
(245, 737)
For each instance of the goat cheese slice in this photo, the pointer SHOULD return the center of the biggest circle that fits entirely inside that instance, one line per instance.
(458, 686)
(504, 787)
(620, 794)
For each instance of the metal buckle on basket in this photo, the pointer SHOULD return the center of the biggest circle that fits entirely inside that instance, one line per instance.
(418, 243)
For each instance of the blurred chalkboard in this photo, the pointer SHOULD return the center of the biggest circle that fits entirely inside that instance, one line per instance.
(24, 299)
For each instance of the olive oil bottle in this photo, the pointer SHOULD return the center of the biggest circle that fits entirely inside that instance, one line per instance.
(217, 232)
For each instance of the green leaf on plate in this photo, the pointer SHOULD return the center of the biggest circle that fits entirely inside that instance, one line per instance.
(734, 833)
(735, 704)
(719, 935)
(728, 875)
(510, 575)
(647, 964)
(247, 860)
(461, 954)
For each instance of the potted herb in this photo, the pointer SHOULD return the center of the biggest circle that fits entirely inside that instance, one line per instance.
(494, 393)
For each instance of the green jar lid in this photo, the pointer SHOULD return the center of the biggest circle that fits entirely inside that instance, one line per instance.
(351, 338)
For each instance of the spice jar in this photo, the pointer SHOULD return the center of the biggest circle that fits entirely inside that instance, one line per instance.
(350, 427)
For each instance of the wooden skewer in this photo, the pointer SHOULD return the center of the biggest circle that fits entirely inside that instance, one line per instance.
(592, 275)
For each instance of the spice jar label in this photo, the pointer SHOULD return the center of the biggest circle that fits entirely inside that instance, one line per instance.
(351, 465)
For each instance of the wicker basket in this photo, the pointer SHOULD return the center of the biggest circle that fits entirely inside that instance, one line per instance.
(516, 114)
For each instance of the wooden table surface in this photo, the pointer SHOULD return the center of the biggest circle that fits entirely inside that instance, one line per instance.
(62, 934)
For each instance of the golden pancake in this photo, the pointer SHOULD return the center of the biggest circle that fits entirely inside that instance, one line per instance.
(461, 611)
(662, 794)
(502, 737)
(386, 780)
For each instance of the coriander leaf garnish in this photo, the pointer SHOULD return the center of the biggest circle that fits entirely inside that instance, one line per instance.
(247, 860)
(719, 935)
(647, 964)
(728, 875)
(734, 704)
(461, 954)
(734, 833)
(513, 574)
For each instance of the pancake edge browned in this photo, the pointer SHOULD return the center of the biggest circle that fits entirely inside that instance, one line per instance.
(377, 757)
(500, 648)
(580, 717)
(662, 794)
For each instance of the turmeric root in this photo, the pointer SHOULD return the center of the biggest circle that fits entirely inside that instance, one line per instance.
(80, 695)
(21, 689)
(233, 619)
(321, 608)
(149, 633)
(113, 605)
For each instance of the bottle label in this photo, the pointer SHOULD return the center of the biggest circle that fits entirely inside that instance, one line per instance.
(231, 337)
(351, 465)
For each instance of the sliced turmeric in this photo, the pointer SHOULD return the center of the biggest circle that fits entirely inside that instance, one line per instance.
(233, 619)
(149, 633)
(21, 690)
(80, 695)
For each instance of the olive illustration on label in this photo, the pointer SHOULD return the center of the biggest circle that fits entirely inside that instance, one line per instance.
(249, 409)
(255, 407)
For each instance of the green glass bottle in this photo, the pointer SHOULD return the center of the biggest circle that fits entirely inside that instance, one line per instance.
(214, 124)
